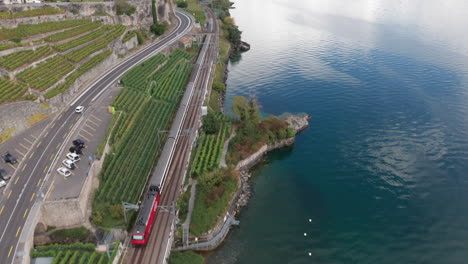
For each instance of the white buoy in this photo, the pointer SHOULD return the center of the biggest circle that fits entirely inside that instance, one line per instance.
(310, 220)
(310, 254)
(305, 234)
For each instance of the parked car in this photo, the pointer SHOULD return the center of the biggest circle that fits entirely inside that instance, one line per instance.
(73, 157)
(79, 109)
(10, 158)
(64, 171)
(69, 164)
(2, 184)
(79, 143)
(4, 175)
(76, 150)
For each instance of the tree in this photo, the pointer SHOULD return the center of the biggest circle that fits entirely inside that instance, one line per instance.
(210, 123)
(239, 107)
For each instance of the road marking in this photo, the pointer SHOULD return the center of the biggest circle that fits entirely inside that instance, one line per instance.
(28, 141)
(9, 252)
(58, 146)
(11, 191)
(9, 164)
(84, 130)
(51, 156)
(21, 153)
(65, 135)
(17, 232)
(17, 179)
(83, 137)
(32, 196)
(24, 167)
(96, 124)
(32, 154)
(23, 146)
(39, 182)
(53, 124)
(25, 212)
(92, 128)
(45, 169)
(33, 136)
(50, 190)
(1, 210)
(39, 144)
(71, 126)
(93, 116)
(47, 133)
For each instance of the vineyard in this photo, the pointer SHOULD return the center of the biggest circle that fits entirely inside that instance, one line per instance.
(92, 35)
(46, 73)
(31, 13)
(70, 79)
(72, 32)
(10, 91)
(136, 139)
(113, 33)
(28, 30)
(81, 40)
(77, 253)
(15, 60)
(209, 149)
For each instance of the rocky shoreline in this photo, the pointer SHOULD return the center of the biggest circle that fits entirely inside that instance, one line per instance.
(296, 122)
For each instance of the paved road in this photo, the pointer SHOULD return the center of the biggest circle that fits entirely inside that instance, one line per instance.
(174, 171)
(33, 171)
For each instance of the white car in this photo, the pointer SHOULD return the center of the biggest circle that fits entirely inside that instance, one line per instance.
(69, 164)
(79, 109)
(64, 171)
(73, 157)
(2, 184)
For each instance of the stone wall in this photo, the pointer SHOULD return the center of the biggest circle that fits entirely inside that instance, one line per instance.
(16, 115)
(71, 212)
(94, 10)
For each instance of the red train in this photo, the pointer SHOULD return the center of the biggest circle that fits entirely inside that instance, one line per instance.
(142, 228)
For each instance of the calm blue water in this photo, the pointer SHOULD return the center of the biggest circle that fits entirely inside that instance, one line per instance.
(383, 169)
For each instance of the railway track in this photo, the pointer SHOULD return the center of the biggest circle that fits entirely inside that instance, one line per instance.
(155, 251)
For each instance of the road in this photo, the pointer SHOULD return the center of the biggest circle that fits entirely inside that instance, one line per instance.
(159, 243)
(32, 174)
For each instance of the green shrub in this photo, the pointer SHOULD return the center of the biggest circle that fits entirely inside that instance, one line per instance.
(123, 7)
(186, 257)
(182, 4)
(79, 233)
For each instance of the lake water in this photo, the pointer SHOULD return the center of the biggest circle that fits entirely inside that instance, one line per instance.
(382, 171)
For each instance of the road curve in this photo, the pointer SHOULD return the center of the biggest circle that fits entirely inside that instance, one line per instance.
(32, 176)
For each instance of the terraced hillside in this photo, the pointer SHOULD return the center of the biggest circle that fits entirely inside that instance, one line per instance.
(45, 59)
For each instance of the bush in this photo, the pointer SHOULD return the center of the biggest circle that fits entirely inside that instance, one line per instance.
(182, 4)
(158, 29)
(210, 124)
(219, 87)
(16, 40)
(79, 233)
(140, 37)
(187, 257)
(123, 7)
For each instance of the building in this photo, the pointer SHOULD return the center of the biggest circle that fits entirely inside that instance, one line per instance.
(185, 42)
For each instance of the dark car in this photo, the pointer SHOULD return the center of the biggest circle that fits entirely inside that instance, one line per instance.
(9, 158)
(76, 150)
(79, 143)
(4, 175)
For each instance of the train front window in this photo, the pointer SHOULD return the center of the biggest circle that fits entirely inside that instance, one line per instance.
(137, 237)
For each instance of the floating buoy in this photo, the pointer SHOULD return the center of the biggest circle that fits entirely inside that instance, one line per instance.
(305, 234)
(310, 254)
(310, 220)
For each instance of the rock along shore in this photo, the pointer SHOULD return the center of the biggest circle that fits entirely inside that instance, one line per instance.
(296, 122)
